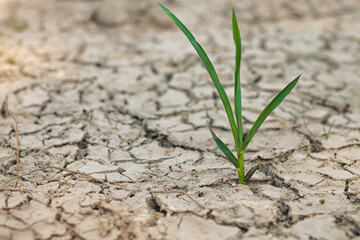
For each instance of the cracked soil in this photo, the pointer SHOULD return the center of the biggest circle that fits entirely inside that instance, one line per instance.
(114, 90)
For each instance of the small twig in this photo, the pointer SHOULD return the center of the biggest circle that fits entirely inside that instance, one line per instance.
(160, 137)
(17, 144)
(59, 168)
(77, 172)
(109, 155)
(35, 170)
(140, 132)
(14, 190)
(181, 192)
(110, 152)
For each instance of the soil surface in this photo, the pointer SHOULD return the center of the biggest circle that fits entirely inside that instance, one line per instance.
(113, 89)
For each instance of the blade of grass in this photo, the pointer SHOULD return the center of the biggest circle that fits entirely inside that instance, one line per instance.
(327, 133)
(211, 70)
(17, 144)
(224, 148)
(251, 172)
(237, 40)
(265, 113)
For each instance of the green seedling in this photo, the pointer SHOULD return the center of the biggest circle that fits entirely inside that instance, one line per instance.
(235, 123)
(20, 26)
(11, 61)
(327, 133)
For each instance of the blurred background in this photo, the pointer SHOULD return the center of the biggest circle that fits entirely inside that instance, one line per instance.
(133, 46)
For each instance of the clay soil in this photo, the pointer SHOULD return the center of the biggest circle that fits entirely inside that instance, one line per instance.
(114, 90)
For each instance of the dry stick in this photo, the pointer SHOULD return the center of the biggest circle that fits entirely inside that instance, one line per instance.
(39, 169)
(160, 137)
(59, 168)
(14, 190)
(109, 155)
(17, 144)
(77, 172)
(140, 131)
(181, 192)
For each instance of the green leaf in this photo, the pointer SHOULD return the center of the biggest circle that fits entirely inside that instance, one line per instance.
(251, 172)
(265, 113)
(224, 148)
(237, 40)
(211, 70)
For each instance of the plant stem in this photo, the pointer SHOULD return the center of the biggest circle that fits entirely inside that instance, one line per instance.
(240, 169)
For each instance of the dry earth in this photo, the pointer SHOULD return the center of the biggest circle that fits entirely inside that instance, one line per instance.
(106, 86)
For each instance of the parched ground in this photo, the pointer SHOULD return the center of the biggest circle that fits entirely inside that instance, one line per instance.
(113, 89)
